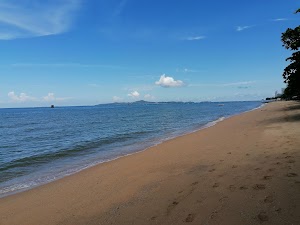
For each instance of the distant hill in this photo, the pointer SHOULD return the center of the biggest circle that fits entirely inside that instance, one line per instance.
(143, 102)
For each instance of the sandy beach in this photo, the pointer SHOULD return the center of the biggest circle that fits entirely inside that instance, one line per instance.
(244, 170)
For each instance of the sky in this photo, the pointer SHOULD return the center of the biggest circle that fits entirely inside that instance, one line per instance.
(87, 52)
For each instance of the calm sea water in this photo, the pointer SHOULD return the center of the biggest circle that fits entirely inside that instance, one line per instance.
(39, 145)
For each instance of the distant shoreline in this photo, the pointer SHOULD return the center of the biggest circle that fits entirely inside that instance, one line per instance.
(125, 103)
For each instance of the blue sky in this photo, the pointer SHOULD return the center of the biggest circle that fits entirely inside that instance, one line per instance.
(85, 52)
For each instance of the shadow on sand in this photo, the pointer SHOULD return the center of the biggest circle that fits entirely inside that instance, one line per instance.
(287, 118)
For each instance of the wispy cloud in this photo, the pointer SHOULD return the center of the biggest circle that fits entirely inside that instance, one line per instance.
(279, 19)
(65, 65)
(23, 97)
(140, 88)
(117, 99)
(21, 19)
(194, 38)
(240, 84)
(52, 98)
(186, 70)
(149, 97)
(243, 87)
(241, 28)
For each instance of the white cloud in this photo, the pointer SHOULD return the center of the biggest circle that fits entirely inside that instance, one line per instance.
(149, 97)
(186, 70)
(20, 19)
(79, 65)
(195, 38)
(279, 19)
(117, 99)
(166, 81)
(233, 84)
(134, 94)
(51, 98)
(23, 97)
(238, 83)
(241, 28)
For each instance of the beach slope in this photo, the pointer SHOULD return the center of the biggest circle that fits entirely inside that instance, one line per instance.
(244, 170)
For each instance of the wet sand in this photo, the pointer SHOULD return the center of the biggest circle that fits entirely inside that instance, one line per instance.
(244, 170)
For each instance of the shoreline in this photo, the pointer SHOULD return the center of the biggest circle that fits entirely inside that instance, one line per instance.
(201, 177)
(96, 163)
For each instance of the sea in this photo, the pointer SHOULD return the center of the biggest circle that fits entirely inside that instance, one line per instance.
(40, 145)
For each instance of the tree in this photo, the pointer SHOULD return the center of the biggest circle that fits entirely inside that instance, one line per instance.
(291, 74)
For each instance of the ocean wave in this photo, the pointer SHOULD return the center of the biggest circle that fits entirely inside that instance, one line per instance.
(77, 150)
(82, 137)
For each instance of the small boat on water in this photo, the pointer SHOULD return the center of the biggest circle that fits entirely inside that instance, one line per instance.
(52, 106)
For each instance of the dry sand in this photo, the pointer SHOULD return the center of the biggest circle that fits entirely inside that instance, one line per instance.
(244, 170)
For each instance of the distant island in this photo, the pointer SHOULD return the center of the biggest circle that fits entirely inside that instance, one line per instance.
(143, 102)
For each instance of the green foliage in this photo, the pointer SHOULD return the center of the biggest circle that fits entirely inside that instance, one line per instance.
(291, 40)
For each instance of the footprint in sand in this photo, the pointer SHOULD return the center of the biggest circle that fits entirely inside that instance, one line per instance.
(195, 183)
(229, 153)
(213, 214)
(257, 168)
(278, 210)
(291, 161)
(262, 216)
(216, 185)
(172, 206)
(292, 175)
(234, 166)
(269, 199)
(271, 169)
(259, 187)
(243, 187)
(267, 177)
(287, 167)
(190, 218)
(212, 170)
(153, 218)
